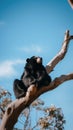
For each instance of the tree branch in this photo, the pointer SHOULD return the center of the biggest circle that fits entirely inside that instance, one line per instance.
(61, 54)
(15, 108)
(71, 3)
(58, 81)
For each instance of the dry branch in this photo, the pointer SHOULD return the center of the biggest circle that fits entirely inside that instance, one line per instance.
(71, 3)
(61, 54)
(15, 108)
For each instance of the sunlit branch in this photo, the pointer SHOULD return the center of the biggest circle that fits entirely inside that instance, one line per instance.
(50, 66)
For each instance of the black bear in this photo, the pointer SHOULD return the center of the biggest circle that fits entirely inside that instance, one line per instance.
(34, 73)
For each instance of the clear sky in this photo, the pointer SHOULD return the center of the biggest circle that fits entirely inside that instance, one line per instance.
(37, 27)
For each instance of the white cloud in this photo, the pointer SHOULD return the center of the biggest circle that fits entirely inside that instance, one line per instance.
(32, 48)
(18, 61)
(7, 67)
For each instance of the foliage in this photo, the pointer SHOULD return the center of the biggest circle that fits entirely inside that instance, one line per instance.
(5, 99)
(52, 117)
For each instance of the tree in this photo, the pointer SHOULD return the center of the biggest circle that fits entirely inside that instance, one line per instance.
(15, 108)
(52, 117)
(5, 99)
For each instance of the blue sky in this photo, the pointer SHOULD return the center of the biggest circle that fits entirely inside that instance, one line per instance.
(36, 27)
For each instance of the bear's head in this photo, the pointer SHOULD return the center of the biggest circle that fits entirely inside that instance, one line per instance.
(33, 62)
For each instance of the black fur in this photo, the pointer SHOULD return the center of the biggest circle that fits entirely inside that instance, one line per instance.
(34, 73)
(19, 88)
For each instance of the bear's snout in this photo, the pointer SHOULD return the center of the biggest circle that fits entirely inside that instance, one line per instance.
(39, 60)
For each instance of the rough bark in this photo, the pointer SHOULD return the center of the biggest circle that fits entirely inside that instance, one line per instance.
(15, 108)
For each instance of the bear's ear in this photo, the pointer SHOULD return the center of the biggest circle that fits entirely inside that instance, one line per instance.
(27, 60)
